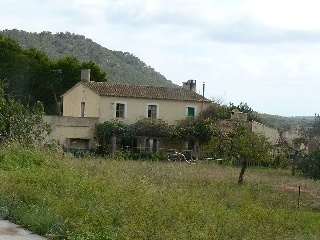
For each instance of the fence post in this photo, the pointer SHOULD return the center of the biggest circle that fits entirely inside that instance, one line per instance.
(299, 194)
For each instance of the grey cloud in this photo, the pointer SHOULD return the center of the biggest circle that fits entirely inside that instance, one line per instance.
(242, 30)
(136, 15)
(250, 31)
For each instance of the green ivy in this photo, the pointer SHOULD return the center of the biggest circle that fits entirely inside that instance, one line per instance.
(195, 129)
(152, 127)
(105, 131)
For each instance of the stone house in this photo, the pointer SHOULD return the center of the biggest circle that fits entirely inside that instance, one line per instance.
(270, 133)
(88, 103)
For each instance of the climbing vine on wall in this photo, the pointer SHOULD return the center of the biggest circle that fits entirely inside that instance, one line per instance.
(105, 131)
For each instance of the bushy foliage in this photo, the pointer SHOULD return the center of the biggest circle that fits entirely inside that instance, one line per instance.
(105, 131)
(310, 165)
(33, 77)
(280, 159)
(216, 112)
(249, 146)
(152, 127)
(195, 129)
(20, 124)
(241, 144)
(245, 108)
(314, 130)
(189, 129)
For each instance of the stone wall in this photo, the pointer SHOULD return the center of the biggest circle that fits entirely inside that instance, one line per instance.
(72, 131)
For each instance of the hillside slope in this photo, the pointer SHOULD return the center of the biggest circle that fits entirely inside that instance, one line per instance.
(121, 67)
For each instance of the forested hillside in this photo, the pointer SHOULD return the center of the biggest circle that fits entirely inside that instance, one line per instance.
(121, 67)
(286, 123)
(30, 76)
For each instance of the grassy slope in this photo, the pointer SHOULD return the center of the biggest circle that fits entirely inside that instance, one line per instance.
(61, 197)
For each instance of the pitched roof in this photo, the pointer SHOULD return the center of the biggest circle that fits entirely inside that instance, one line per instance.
(141, 91)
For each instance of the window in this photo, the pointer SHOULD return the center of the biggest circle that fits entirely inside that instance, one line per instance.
(152, 111)
(83, 105)
(191, 111)
(120, 110)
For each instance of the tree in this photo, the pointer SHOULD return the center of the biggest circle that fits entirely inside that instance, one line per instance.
(195, 130)
(245, 108)
(249, 147)
(216, 112)
(241, 145)
(310, 165)
(120, 66)
(96, 72)
(32, 76)
(20, 124)
(314, 130)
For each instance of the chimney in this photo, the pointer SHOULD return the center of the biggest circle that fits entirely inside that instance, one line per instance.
(85, 75)
(190, 84)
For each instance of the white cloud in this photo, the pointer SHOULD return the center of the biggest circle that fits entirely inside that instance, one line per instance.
(261, 52)
(286, 14)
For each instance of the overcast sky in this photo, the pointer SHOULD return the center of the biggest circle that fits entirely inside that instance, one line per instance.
(265, 53)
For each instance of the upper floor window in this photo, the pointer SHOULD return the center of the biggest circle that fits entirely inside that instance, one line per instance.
(82, 110)
(152, 111)
(191, 111)
(120, 110)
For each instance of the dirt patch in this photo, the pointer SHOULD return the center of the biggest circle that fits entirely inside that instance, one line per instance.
(9, 231)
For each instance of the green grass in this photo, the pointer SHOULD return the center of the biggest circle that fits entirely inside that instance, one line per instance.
(61, 197)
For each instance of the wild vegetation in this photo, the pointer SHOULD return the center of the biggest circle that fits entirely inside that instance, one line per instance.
(63, 197)
(31, 76)
(20, 124)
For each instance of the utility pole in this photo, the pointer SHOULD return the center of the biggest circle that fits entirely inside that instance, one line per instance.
(203, 86)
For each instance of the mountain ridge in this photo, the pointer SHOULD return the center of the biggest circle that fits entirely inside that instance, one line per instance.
(121, 67)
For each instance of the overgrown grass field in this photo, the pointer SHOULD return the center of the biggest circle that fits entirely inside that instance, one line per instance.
(61, 197)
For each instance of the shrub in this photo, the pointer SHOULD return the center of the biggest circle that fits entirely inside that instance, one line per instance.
(310, 165)
(280, 160)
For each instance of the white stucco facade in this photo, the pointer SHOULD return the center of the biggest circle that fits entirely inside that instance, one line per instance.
(104, 107)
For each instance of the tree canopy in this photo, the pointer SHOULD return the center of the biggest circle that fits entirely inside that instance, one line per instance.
(121, 67)
(31, 76)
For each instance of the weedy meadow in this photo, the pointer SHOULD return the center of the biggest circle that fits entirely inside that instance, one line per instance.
(63, 197)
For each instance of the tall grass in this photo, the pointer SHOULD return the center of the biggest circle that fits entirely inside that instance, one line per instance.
(91, 198)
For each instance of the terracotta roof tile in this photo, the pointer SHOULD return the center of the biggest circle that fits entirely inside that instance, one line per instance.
(140, 91)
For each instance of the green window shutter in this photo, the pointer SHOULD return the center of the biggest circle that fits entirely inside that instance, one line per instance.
(191, 111)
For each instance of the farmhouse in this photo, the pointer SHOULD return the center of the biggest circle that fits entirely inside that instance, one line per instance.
(89, 102)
